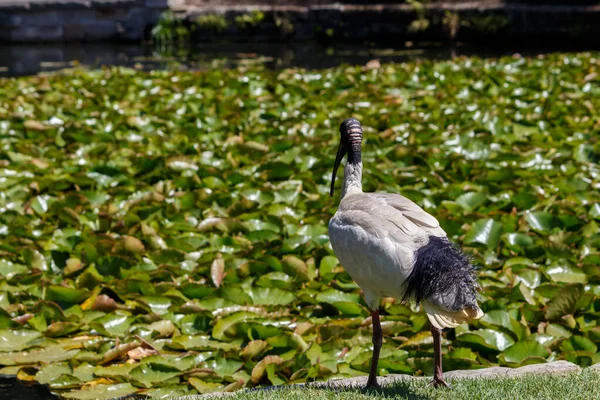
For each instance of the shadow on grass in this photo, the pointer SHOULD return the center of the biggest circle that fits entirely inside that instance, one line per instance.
(405, 389)
(401, 388)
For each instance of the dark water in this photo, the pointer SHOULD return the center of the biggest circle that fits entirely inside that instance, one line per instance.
(18, 60)
(12, 389)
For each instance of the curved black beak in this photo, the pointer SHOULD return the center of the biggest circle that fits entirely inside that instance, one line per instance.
(341, 152)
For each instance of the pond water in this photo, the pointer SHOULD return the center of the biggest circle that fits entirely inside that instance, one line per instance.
(17, 60)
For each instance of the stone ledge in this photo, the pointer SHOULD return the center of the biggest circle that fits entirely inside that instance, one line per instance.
(560, 368)
(53, 5)
(488, 21)
(480, 6)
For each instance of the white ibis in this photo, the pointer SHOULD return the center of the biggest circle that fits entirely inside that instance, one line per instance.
(391, 247)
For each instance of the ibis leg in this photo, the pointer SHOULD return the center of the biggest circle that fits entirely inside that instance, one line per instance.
(377, 340)
(438, 377)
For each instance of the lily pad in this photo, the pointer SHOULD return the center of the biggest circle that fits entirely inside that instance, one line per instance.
(518, 353)
(471, 200)
(102, 391)
(270, 296)
(540, 220)
(49, 354)
(484, 231)
(564, 301)
(16, 340)
(152, 373)
(486, 339)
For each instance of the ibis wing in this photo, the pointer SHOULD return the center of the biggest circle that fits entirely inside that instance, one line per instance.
(377, 242)
(411, 211)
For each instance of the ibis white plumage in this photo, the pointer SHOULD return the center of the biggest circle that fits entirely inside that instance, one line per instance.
(391, 247)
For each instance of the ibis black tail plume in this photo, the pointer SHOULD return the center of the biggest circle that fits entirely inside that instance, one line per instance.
(443, 274)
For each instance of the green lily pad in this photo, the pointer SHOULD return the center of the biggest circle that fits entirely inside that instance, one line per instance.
(254, 348)
(517, 354)
(486, 339)
(52, 371)
(152, 373)
(225, 323)
(112, 324)
(204, 387)
(332, 296)
(564, 301)
(540, 220)
(563, 272)
(579, 343)
(49, 354)
(16, 340)
(471, 200)
(190, 325)
(61, 294)
(349, 308)
(519, 240)
(497, 318)
(158, 305)
(327, 265)
(223, 366)
(65, 381)
(9, 269)
(270, 296)
(84, 372)
(114, 371)
(198, 342)
(484, 231)
(275, 279)
(61, 328)
(102, 391)
(295, 267)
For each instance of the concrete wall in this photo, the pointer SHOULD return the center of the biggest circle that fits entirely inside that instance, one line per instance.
(71, 20)
(131, 20)
(485, 20)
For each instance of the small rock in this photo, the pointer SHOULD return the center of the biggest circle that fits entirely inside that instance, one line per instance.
(492, 372)
(553, 368)
(595, 367)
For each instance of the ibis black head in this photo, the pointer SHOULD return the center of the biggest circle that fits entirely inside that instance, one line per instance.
(350, 143)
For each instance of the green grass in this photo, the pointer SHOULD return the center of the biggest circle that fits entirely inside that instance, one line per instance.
(574, 386)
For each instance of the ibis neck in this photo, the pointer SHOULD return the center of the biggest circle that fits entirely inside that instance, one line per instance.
(352, 178)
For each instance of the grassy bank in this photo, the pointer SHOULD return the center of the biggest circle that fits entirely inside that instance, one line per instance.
(575, 386)
(165, 232)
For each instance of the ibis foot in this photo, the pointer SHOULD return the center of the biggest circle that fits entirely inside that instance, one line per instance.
(438, 374)
(372, 386)
(439, 382)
